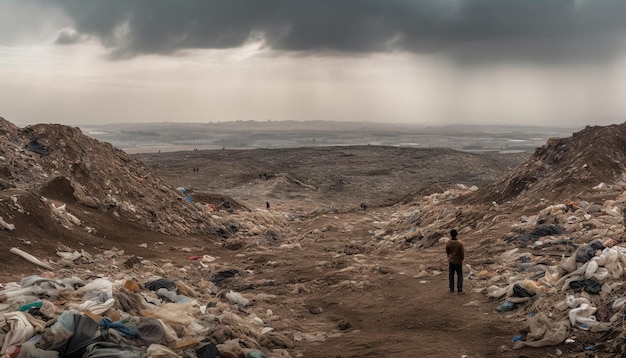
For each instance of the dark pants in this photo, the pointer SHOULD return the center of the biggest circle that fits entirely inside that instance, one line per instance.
(459, 272)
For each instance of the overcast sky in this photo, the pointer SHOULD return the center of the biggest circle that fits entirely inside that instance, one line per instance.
(550, 62)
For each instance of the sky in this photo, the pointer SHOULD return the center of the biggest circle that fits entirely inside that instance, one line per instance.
(536, 62)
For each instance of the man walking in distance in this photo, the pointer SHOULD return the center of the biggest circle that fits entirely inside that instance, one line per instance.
(456, 254)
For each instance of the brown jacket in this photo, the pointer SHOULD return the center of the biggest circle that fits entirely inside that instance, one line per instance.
(455, 251)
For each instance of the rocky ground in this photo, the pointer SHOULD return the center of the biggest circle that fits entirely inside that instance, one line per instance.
(325, 276)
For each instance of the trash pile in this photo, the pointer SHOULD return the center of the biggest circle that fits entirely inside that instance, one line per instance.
(112, 304)
(253, 227)
(565, 167)
(61, 164)
(426, 220)
(565, 279)
(564, 273)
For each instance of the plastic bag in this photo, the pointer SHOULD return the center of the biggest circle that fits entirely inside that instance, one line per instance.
(591, 268)
(20, 330)
(236, 298)
(583, 315)
(171, 313)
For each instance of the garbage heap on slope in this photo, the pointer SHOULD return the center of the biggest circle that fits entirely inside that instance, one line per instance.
(565, 276)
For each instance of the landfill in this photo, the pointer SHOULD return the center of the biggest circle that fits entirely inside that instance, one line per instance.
(558, 271)
(146, 311)
(102, 302)
(565, 280)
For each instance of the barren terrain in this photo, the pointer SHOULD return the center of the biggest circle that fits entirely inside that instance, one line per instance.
(339, 249)
(390, 312)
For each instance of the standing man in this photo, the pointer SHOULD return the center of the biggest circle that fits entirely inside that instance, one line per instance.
(456, 254)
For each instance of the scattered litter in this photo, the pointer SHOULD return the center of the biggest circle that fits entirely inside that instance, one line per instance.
(6, 225)
(54, 315)
(30, 258)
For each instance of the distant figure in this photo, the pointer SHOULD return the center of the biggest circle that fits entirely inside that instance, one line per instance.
(363, 206)
(267, 205)
(456, 254)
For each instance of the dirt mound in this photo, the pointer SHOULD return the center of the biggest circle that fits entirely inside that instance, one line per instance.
(565, 168)
(60, 185)
(59, 162)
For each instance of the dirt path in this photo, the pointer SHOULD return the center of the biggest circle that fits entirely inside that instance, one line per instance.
(354, 297)
(390, 311)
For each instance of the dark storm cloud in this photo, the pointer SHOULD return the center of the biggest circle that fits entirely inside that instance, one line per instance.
(477, 30)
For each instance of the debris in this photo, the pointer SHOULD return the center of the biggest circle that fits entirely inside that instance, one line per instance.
(532, 277)
(540, 331)
(37, 147)
(505, 307)
(6, 225)
(30, 258)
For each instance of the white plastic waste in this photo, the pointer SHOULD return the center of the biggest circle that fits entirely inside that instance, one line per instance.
(583, 315)
(573, 301)
(236, 298)
(19, 330)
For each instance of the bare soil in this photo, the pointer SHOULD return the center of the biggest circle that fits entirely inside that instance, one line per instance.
(386, 310)
(336, 280)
